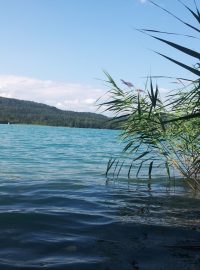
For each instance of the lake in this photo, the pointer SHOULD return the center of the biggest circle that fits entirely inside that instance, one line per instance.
(57, 211)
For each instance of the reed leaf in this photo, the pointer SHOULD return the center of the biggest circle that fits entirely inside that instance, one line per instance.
(140, 167)
(141, 156)
(167, 169)
(120, 168)
(164, 32)
(176, 17)
(150, 169)
(193, 70)
(109, 165)
(179, 47)
(129, 170)
(154, 130)
(196, 16)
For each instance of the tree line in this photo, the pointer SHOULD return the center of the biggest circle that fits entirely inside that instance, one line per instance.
(16, 111)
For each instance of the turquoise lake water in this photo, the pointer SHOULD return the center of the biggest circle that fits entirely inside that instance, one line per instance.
(57, 211)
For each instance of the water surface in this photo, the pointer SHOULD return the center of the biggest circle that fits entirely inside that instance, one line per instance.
(58, 212)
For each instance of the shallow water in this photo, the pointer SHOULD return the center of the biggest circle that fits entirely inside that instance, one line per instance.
(58, 212)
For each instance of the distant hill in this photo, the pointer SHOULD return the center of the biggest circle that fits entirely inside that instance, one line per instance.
(17, 111)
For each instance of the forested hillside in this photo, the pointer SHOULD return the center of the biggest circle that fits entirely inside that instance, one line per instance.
(17, 111)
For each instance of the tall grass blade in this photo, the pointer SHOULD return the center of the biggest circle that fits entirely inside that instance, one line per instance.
(193, 70)
(167, 33)
(185, 117)
(180, 20)
(167, 169)
(120, 169)
(197, 8)
(142, 155)
(140, 167)
(110, 80)
(150, 169)
(179, 47)
(139, 107)
(129, 171)
(109, 165)
(115, 168)
(196, 16)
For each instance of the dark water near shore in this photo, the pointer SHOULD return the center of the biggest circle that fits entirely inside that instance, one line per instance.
(57, 212)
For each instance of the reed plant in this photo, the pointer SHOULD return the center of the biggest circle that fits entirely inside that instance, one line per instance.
(154, 128)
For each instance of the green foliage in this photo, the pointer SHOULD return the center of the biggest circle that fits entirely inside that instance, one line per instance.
(148, 132)
(192, 91)
(26, 112)
(153, 129)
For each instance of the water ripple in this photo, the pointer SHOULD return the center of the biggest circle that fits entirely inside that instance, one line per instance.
(57, 212)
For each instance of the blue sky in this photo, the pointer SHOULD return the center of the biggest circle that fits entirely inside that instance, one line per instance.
(54, 51)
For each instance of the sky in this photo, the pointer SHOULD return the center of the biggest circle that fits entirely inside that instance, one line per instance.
(55, 51)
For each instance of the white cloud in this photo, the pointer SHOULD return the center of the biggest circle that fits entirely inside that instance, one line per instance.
(66, 96)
